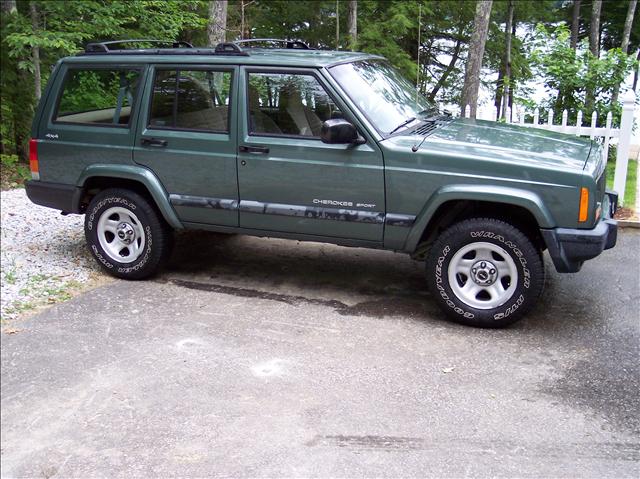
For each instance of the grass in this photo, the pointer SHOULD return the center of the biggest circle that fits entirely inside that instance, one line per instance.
(630, 186)
(13, 172)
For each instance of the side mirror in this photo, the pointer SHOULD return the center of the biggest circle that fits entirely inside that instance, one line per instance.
(339, 130)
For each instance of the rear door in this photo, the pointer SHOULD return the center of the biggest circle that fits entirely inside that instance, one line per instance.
(89, 119)
(187, 136)
(289, 180)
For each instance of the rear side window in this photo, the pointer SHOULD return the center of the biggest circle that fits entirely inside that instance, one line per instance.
(191, 100)
(100, 96)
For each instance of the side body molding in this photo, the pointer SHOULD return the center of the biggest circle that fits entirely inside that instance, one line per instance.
(141, 175)
(494, 194)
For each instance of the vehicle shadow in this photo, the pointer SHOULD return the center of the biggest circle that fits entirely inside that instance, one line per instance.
(355, 281)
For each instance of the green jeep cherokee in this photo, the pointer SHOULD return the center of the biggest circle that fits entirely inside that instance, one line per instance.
(314, 145)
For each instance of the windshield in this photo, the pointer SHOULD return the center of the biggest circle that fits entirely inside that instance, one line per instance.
(387, 99)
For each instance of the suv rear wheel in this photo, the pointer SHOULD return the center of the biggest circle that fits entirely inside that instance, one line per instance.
(485, 272)
(126, 235)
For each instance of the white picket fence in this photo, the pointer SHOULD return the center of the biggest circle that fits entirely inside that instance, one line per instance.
(622, 134)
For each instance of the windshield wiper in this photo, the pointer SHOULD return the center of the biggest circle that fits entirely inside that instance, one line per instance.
(404, 123)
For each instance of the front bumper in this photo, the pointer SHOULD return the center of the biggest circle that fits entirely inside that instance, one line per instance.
(570, 248)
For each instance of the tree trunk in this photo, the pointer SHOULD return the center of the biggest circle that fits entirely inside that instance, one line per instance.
(337, 24)
(624, 46)
(635, 74)
(447, 72)
(594, 46)
(475, 56)
(594, 33)
(352, 22)
(507, 55)
(626, 33)
(575, 23)
(35, 50)
(217, 26)
(9, 7)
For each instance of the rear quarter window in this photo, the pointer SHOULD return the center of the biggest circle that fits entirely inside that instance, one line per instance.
(98, 96)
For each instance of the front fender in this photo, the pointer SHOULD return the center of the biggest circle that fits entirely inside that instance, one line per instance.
(493, 194)
(141, 175)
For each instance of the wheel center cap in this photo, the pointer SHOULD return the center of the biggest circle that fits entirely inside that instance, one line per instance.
(484, 273)
(125, 233)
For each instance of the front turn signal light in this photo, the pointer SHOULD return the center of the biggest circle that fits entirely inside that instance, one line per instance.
(584, 205)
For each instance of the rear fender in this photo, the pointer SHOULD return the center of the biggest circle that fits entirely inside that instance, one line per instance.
(141, 175)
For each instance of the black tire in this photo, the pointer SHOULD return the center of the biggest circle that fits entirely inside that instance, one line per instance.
(521, 295)
(154, 244)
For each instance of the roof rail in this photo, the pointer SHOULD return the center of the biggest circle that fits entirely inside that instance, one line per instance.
(290, 44)
(174, 48)
(105, 47)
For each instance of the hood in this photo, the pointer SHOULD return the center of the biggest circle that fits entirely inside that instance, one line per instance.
(504, 142)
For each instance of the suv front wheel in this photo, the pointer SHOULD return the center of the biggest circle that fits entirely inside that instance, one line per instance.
(485, 272)
(126, 235)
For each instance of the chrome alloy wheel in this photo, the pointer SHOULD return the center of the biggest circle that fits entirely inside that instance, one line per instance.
(483, 275)
(121, 235)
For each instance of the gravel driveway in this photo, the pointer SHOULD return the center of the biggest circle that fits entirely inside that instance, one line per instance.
(44, 257)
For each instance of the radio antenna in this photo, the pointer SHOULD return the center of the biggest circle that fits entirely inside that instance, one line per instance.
(418, 60)
(414, 148)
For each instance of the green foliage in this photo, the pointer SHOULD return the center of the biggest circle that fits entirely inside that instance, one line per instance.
(385, 27)
(631, 183)
(569, 74)
(13, 172)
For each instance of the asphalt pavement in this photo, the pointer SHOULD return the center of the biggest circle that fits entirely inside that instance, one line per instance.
(268, 358)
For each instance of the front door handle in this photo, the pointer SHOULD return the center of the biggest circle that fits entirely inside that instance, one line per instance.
(156, 142)
(256, 150)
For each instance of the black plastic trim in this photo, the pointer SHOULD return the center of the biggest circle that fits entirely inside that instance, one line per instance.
(279, 209)
(570, 248)
(406, 221)
(58, 196)
(203, 202)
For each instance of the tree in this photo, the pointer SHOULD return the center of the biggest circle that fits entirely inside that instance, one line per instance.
(624, 46)
(594, 46)
(352, 24)
(9, 7)
(217, 26)
(475, 56)
(594, 31)
(575, 23)
(504, 90)
(35, 49)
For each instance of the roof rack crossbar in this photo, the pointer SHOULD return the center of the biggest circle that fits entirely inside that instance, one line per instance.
(290, 44)
(104, 47)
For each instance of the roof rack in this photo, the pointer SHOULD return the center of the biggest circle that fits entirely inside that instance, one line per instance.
(105, 47)
(290, 44)
(175, 48)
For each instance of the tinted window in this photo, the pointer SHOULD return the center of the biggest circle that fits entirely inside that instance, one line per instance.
(288, 104)
(98, 96)
(191, 99)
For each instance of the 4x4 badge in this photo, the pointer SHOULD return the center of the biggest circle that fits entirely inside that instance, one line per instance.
(51, 136)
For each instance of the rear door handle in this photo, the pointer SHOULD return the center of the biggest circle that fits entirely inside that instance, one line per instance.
(256, 150)
(156, 142)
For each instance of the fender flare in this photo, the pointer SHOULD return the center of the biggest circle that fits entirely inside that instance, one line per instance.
(492, 194)
(136, 173)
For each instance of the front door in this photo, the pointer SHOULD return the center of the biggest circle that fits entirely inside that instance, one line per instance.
(289, 180)
(187, 136)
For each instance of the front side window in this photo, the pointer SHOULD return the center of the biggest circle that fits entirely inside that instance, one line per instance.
(288, 104)
(191, 100)
(386, 98)
(98, 96)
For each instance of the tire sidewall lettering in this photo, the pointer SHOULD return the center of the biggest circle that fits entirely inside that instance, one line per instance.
(97, 251)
